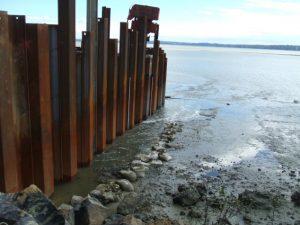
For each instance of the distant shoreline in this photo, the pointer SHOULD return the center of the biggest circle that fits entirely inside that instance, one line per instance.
(268, 47)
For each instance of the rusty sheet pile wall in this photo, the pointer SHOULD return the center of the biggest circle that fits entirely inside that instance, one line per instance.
(60, 104)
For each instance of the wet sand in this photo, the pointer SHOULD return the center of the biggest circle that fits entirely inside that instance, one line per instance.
(236, 137)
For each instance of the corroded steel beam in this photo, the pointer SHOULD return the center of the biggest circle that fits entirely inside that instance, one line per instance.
(55, 93)
(112, 83)
(155, 66)
(79, 105)
(9, 155)
(147, 86)
(160, 78)
(133, 50)
(141, 70)
(164, 79)
(87, 106)
(17, 31)
(39, 80)
(106, 14)
(102, 84)
(67, 87)
(122, 80)
(92, 28)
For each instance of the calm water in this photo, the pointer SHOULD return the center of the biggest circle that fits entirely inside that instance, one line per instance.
(260, 86)
(240, 101)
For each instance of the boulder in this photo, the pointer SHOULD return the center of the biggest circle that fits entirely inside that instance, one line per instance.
(115, 219)
(109, 187)
(165, 157)
(153, 155)
(35, 203)
(159, 148)
(104, 197)
(143, 157)
(10, 214)
(128, 175)
(139, 163)
(164, 222)
(131, 220)
(140, 170)
(118, 219)
(129, 204)
(125, 185)
(174, 146)
(256, 200)
(68, 212)
(186, 196)
(76, 201)
(157, 163)
(92, 212)
(296, 198)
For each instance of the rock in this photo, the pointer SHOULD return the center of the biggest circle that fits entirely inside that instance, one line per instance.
(125, 185)
(159, 149)
(8, 198)
(104, 197)
(35, 203)
(115, 219)
(296, 198)
(109, 187)
(129, 204)
(195, 214)
(68, 212)
(143, 157)
(139, 163)
(11, 214)
(186, 196)
(201, 188)
(140, 170)
(92, 212)
(153, 155)
(157, 163)
(165, 157)
(76, 201)
(297, 222)
(256, 200)
(167, 138)
(118, 219)
(128, 175)
(131, 220)
(173, 145)
(164, 222)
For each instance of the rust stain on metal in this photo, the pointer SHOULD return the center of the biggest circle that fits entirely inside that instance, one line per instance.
(102, 84)
(147, 89)
(67, 87)
(87, 107)
(141, 69)
(17, 32)
(133, 52)
(122, 80)
(40, 110)
(112, 90)
(10, 166)
(79, 106)
(155, 66)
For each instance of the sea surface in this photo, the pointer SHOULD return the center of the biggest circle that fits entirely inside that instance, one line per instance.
(236, 105)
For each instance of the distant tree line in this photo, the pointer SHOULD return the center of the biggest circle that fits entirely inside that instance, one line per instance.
(271, 47)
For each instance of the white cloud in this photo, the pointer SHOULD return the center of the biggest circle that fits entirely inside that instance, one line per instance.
(251, 21)
(281, 5)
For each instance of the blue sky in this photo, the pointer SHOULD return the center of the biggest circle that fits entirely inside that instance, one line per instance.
(223, 21)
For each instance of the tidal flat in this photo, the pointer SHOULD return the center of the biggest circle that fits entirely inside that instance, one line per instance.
(236, 157)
